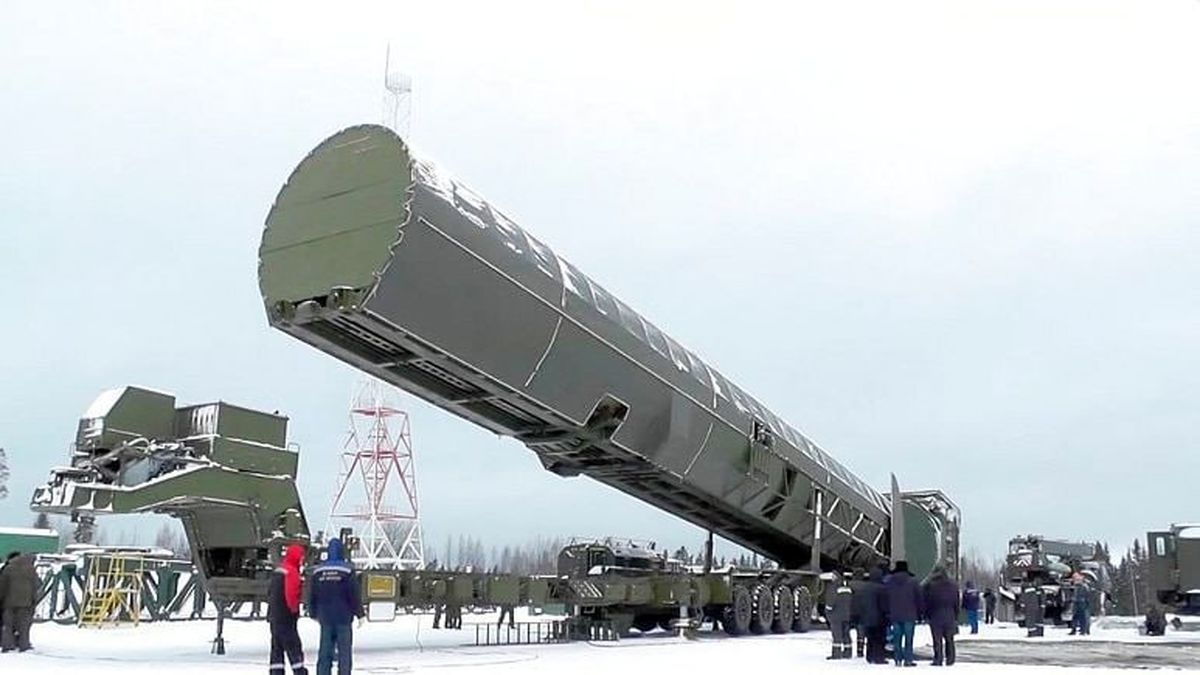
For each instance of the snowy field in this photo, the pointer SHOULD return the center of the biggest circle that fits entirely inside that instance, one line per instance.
(409, 645)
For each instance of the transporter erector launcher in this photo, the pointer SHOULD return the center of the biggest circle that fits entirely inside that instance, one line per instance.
(380, 259)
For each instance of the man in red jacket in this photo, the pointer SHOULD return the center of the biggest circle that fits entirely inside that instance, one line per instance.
(283, 611)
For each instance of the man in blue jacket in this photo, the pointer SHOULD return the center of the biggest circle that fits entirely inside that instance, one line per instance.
(335, 603)
(970, 604)
(904, 606)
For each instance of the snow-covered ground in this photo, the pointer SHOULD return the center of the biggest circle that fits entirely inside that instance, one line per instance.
(1104, 629)
(409, 645)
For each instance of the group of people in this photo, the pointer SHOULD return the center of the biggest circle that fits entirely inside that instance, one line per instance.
(334, 601)
(451, 610)
(886, 606)
(18, 596)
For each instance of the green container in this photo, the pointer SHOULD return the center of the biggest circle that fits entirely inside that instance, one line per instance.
(27, 540)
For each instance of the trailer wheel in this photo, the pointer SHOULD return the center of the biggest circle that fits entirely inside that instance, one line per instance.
(803, 610)
(764, 610)
(735, 618)
(785, 610)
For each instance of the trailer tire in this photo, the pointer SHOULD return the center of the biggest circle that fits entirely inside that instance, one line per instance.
(803, 610)
(764, 610)
(735, 618)
(785, 610)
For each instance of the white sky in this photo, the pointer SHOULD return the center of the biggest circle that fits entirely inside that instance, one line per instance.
(957, 241)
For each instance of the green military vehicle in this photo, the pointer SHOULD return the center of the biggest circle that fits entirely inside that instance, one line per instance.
(1038, 575)
(1174, 579)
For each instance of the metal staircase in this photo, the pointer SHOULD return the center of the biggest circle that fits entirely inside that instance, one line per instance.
(114, 591)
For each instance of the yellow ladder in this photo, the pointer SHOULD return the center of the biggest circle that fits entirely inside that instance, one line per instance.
(114, 591)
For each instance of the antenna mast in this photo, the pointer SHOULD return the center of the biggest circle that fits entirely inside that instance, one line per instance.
(397, 99)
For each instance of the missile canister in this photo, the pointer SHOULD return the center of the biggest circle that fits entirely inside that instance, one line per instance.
(386, 262)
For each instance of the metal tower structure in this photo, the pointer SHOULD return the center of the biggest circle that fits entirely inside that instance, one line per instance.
(377, 487)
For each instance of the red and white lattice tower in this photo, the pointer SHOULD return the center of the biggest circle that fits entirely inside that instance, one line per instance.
(377, 487)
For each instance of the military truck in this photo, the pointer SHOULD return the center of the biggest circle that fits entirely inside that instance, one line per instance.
(1174, 577)
(1046, 568)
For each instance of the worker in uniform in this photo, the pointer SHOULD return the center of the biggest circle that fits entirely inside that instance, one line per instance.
(970, 604)
(509, 610)
(989, 606)
(453, 613)
(839, 607)
(1081, 609)
(283, 611)
(438, 592)
(860, 632)
(868, 612)
(1156, 620)
(19, 585)
(904, 607)
(942, 603)
(336, 603)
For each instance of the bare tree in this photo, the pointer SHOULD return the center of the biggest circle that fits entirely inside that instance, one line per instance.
(171, 538)
(980, 570)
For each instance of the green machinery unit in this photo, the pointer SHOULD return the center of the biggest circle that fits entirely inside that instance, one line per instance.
(225, 471)
(1174, 578)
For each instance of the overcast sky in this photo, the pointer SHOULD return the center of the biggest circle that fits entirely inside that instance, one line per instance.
(957, 241)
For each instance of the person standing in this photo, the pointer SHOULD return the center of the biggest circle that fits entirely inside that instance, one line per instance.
(19, 587)
(336, 602)
(439, 608)
(868, 602)
(1081, 609)
(941, 609)
(860, 631)
(989, 606)
(970, 603)
(283, 611)
(8, 559)
(509, 610)
(904, 607)
(839, 606)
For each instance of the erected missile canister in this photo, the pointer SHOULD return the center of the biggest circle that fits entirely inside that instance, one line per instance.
(378, 258)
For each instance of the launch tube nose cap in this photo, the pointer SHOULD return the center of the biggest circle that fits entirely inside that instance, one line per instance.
(335, 221)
